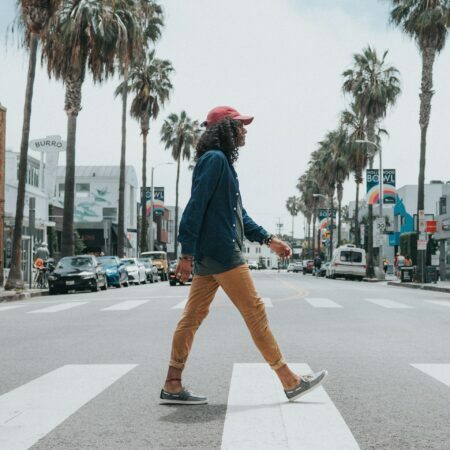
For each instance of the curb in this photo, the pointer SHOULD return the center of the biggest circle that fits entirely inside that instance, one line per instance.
(419, 286)
(21, 296)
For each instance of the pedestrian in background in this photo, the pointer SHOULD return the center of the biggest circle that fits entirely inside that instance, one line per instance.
(212, 231)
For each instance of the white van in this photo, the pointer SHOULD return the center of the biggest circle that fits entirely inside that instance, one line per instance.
(348, 261)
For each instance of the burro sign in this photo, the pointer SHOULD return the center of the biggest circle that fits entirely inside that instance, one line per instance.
(48, 143)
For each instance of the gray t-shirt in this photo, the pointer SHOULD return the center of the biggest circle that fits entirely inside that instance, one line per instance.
(210, 266)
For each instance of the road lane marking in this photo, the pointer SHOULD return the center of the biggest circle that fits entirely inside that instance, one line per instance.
(440, 372)
(385, 303)
(322, 303)
(57, 308)
(180, 305)
(259, 416)
(124, 306)
(31, 411)
(5, 308)
(440, 302)
(267, 302)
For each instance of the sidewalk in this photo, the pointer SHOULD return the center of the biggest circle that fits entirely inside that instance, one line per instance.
(10, 296)
(440, 286)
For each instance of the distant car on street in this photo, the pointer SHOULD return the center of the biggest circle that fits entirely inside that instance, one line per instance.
(348, 261)
(323, 271)
(173, 280)
(253, 265)
(151, 271)
(290, 267)
(76, 273)
(298, 267)
(116, 274)
(135, 270)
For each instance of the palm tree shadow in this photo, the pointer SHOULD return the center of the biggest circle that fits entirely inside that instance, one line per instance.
(189, 414)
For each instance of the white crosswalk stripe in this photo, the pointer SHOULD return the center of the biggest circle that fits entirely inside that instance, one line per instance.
(322, 303)
(180, 305)
(385, 303)
(125, 306)
(440, 372)
(57, 308)
(259, 417)
(440, 302)
(31, 411)
(7, 308)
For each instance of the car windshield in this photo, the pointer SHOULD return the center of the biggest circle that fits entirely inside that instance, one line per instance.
(75, 262)
(105, 261)
(129, 262)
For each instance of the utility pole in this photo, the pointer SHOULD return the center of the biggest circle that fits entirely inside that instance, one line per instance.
(2, 188)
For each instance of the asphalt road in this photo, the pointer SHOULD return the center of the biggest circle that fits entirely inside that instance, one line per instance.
(83, 371)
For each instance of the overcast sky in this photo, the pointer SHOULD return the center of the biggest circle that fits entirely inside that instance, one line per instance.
(279, 60)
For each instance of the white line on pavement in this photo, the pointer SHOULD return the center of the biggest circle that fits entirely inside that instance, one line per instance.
(31, 411)
(259, 417)
(180, 305)
(57, 308)
(385, 303)
(440, 372)
(5, 308)
(124, 306)
(322, 303)
(440, 302)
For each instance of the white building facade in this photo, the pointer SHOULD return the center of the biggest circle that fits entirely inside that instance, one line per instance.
(253, 251)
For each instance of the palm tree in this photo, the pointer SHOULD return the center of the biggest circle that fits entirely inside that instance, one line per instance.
(357, 155)
(88, 35)
(34, 17)
(179, 134)
(375, 87)
(150, 20)
(426, 21)
(293, 206)
(149, 79)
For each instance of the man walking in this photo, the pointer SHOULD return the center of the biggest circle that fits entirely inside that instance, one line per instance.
(212, 231)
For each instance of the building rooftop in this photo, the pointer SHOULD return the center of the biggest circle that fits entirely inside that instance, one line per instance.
(101, 172)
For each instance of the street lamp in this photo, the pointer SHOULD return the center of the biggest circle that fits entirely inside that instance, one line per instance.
(381, 193)
(151, 201)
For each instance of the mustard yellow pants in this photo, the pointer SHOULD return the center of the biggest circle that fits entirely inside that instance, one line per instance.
(238, 285)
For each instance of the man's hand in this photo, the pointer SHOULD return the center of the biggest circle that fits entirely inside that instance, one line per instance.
(280, 248)
(183, 270)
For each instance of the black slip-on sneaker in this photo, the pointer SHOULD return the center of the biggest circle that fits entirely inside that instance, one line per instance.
(307, 384)
(183, 397)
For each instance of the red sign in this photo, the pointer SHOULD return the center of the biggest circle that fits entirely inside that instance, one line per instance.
(431, 226)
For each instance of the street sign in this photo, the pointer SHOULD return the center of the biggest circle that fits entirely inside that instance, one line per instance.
(421, 244)
(422, 221)
(431, 226)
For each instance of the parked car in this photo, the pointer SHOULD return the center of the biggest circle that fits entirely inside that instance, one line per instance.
(173, 280)
(151, 271)
(135, 270)
(253, 265)
(323, 271)
(307, 266)
(77, 273)
(348, 261)
(116, 274)
(159, 259)
(290, 267)
(298, 267)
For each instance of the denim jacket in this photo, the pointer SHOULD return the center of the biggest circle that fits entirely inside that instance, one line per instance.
(208, 224)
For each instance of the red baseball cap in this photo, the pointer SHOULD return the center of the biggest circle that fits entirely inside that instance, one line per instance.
(220, 112)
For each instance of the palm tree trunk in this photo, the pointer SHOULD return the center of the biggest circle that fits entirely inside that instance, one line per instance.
(339, 196)
(175, 228)
(357, 234)
(370, 255)
(309, 236)
(426, 94)
(314, 234)
(123, 150)
(14, 280)
(72, 108)
(144, 228)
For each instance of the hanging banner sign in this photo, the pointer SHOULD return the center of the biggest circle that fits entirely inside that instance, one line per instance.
(324, 217)
(158, 201)
(373, 186)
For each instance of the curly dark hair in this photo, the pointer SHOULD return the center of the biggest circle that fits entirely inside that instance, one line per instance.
(223, 136)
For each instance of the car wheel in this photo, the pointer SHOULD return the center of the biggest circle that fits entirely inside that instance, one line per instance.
(105, 286)
(52, 291)
(118, 285)
(173, 283)
(94, 288)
